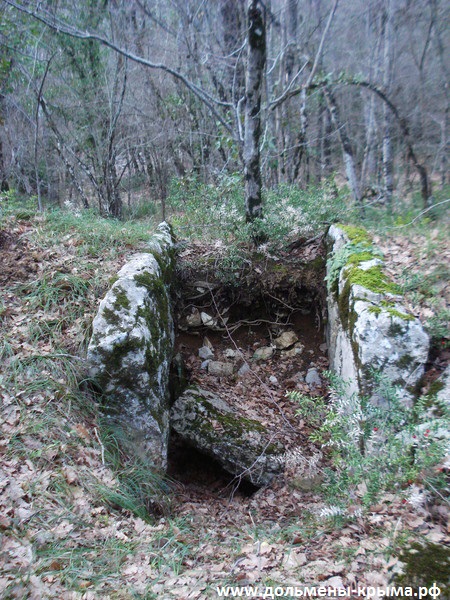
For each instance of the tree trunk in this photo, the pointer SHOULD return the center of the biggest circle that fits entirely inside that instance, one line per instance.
(387, 117)
(256, 60)
(347, 149)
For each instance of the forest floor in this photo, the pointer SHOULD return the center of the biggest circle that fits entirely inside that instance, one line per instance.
(61, 534)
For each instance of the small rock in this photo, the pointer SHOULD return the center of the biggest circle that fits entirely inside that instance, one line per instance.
(312, 378)
(244, 370)
(229, 353)
(295, 351)
(205, 364)
(220, 369)
(323, 347)
(207, 343)
(263, 353)
(273, 379)
(205, 353)
(194, 319)
(286, 340)
(208, 320)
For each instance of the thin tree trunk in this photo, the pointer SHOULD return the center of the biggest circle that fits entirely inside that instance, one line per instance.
(369, 166)
(256, 60)
(387, 117)
(347, 150)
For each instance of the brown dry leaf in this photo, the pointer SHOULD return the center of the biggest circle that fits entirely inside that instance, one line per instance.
(295, 559)
(70, 475)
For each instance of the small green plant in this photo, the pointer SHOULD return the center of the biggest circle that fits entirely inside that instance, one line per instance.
(352, 253)
(311, 409)
(140, 489)
(374, 448)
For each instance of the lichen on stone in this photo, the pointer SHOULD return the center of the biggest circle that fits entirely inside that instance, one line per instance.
(368, 321)
(131, 349)
(243, 446)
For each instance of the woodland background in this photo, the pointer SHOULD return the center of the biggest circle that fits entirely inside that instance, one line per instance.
(82, 122)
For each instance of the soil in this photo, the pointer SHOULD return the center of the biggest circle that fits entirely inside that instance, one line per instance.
(234, 533)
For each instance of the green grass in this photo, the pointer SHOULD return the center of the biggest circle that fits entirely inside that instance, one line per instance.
(58, 426)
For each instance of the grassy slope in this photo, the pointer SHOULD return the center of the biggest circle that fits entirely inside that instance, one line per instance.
(63, 535)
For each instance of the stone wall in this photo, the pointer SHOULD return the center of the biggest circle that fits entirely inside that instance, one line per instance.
(131, 349)
(368, 327)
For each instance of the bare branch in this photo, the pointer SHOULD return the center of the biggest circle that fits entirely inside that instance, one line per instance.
(289, 93)
(61, 27)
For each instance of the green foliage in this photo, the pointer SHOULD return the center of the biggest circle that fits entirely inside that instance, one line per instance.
(140, 489)
(217, 211)
(375, 448)
(313, 410)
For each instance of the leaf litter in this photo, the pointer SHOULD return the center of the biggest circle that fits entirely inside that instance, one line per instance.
(60, 540)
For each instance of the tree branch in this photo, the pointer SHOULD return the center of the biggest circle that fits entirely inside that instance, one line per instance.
(61, 27)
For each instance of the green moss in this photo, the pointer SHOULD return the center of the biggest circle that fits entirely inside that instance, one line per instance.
(111, 317)
(405, 361)
(435, 387)
(395, 329)
(112, 280)
(344, 304)
(359, 257)
(387, 307)
(122, 300)
(372, 279)
(395, 313)
(113, 362)
(234, 426)
(357, 235)
(426, 565)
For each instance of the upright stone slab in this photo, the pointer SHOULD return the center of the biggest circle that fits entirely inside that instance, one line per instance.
(131, 349)
(368, 327)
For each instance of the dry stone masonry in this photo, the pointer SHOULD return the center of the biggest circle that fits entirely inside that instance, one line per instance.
(131, 349)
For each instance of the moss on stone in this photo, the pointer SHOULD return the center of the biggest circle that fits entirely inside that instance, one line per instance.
(113, 362)
(359, 257)
(405, 361)
(122, 301)
(389, 306)
(396, 313)
(426, 565)
(236, 426)
(395, 329)
(111, 317)
(373, 279)
(357, 235)
(435, 387)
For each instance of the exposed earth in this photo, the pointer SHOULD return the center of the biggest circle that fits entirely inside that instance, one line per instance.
(215, 531)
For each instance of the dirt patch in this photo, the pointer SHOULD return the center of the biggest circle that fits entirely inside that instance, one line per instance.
(237, 323)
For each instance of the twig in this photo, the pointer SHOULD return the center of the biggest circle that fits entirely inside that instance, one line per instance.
(422, 212)
(281, 302)
(446, 500)
(394, 535)
(102, 447)
(266, 388)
